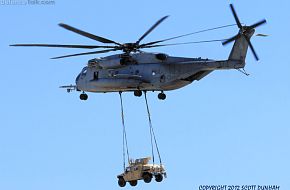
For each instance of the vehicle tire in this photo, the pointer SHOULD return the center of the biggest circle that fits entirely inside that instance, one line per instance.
(147, 177)
(133, 183)
(158, 177)
(138, 93)
(121, 182)
(161, 96)
(83, 96)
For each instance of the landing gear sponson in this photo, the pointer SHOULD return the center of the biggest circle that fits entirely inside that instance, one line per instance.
(161, 95)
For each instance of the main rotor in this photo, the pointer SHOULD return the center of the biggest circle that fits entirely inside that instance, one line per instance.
(127, 48)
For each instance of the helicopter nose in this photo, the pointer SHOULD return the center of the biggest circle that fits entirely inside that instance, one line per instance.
(77, 82)
(77, 79)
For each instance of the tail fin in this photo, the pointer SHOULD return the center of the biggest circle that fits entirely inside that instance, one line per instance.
(240, 48)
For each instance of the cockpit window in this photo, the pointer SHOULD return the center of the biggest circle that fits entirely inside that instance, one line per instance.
(84, 71)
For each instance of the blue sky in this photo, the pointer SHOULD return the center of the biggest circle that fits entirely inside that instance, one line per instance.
(227, 129)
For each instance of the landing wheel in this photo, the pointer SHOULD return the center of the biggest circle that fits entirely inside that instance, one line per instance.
(122, 182)
(133, 183)
(158, 178)
(161, 96)
(83, 96)
(138, 93)
(147, 177)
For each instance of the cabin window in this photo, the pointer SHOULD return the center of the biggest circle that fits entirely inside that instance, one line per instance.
(96, 75)
(161, 56)
(162, 78)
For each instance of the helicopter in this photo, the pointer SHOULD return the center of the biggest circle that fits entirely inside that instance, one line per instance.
(137, 71)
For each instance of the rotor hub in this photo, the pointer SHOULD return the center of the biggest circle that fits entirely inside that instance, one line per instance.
(129, 47)
(247, 30)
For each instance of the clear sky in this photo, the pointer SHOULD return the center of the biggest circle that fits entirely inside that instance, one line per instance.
(227, 129)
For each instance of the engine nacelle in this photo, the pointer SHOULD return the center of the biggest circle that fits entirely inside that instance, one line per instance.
(111, 63)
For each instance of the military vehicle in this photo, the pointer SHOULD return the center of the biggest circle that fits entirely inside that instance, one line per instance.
(141, 169)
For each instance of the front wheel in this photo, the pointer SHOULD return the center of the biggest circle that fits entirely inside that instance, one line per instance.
(121, 182)
(83, 96)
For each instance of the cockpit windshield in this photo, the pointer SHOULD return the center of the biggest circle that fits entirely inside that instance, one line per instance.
(82, 74)
(84, 71)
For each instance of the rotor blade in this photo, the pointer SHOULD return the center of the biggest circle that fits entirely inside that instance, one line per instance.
(61, 46)
(231, 39)
(236, 16)
(86, 34)
(180, 36)
(262, 35)
(184, 43)
(259, 23)
(252, 48)
(152, 28)
(86, 53)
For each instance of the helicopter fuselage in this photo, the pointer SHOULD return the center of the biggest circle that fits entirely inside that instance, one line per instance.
(144, 71)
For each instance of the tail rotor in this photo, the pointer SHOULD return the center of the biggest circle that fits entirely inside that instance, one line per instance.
(245, 31)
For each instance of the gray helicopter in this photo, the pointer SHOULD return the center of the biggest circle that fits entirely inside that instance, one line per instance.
(137, 71)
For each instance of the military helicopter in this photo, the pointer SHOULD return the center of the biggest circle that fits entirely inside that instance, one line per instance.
(137, 71)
